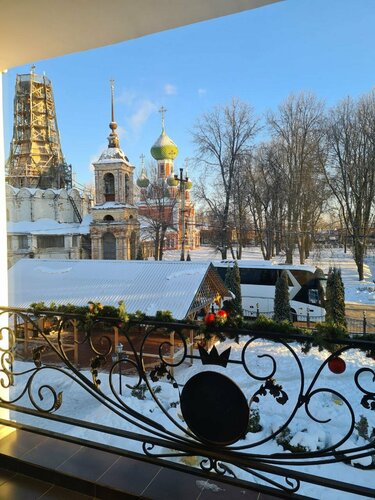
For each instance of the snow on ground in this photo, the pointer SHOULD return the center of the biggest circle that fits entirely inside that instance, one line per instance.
(78, 403)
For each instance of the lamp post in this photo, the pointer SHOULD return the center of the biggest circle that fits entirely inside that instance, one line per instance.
(182, 180)
(117, 356)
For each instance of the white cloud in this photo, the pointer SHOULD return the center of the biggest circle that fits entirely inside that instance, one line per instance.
(141, 115)
(127, 97)
(202, 92)
(170, 89)
(121, 132)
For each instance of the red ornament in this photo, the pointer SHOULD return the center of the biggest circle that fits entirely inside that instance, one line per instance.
(337, 365)
(209, 319)
(120, 324)
(221, 317)
(222, 314)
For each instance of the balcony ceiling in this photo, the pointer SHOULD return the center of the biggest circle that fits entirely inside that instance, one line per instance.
(31, 30)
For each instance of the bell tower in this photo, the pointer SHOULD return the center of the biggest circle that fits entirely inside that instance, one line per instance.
(36, 158)
(115, 228)
(113, 171)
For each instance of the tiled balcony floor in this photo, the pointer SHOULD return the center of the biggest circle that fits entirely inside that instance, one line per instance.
(39, 467)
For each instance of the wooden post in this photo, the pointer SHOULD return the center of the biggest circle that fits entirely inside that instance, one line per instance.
(25, 337)
(115, 329)
(364, 323)
(171, 351)
(40, 323)
(191, 345)
(75, 341)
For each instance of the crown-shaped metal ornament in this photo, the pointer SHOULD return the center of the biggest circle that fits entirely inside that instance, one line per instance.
(213, 357)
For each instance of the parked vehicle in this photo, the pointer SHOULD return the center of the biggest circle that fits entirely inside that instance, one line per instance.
(307, 286)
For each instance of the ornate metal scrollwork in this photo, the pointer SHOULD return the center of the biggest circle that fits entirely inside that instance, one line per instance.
(194, 424)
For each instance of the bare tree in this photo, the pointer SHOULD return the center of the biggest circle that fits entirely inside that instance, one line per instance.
(239, 212)
(222, 137)
(298, 130)
(350, 167)
(266, 197)
(158, 211)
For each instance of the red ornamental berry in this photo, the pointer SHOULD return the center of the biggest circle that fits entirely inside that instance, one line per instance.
(120, 325)
(209, 318)
(337, 365)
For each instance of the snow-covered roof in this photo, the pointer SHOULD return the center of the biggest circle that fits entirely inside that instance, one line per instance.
(147, 286)
(113, 155)
(263, 264)
(50, 227)
(34, 191)
(108, 205)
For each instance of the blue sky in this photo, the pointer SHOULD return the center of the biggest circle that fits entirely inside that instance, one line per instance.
(259, 56)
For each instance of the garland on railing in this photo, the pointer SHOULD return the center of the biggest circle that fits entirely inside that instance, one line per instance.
(325, 336)
(95, 310)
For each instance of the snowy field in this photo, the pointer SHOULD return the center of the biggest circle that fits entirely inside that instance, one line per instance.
(305, 432)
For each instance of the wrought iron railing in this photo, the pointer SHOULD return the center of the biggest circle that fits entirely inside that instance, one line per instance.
(204, 405)
(309, 319)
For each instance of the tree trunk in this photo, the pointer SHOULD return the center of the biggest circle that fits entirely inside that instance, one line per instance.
(289, 256)
(301, 250)
(359, 258)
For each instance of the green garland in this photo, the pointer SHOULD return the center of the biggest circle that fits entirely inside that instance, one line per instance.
(96, 309)
(322, 336)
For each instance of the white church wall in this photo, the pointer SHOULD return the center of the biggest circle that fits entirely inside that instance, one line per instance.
(22, 205)
(64, 209)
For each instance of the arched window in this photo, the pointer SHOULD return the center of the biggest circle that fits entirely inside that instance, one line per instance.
(109, 246)
(108, 218)
(109, 187)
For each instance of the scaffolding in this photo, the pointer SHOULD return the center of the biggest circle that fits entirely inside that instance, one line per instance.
(36, 158)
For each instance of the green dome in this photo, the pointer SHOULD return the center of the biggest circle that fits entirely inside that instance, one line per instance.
(142, 180)
(164, 148)
(172, 181)
(188, 184)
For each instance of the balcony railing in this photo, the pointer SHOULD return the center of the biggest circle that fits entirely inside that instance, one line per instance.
(165, 389)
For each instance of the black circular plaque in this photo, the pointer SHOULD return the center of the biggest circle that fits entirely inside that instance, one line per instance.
(214, 408)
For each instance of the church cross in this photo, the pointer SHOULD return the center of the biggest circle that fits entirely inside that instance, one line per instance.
(162, 111)
(112, 82)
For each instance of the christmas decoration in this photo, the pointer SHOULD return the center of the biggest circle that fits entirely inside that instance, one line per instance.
(337, 365)
(209, 319)
(221, 316)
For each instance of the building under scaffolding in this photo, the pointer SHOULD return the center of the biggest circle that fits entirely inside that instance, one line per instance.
(35, 158)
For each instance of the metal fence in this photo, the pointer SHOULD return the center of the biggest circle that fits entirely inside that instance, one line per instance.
(356, 326)
(206, 415)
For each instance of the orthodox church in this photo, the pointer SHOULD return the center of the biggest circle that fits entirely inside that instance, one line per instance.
(49, 218)
(168, 197)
